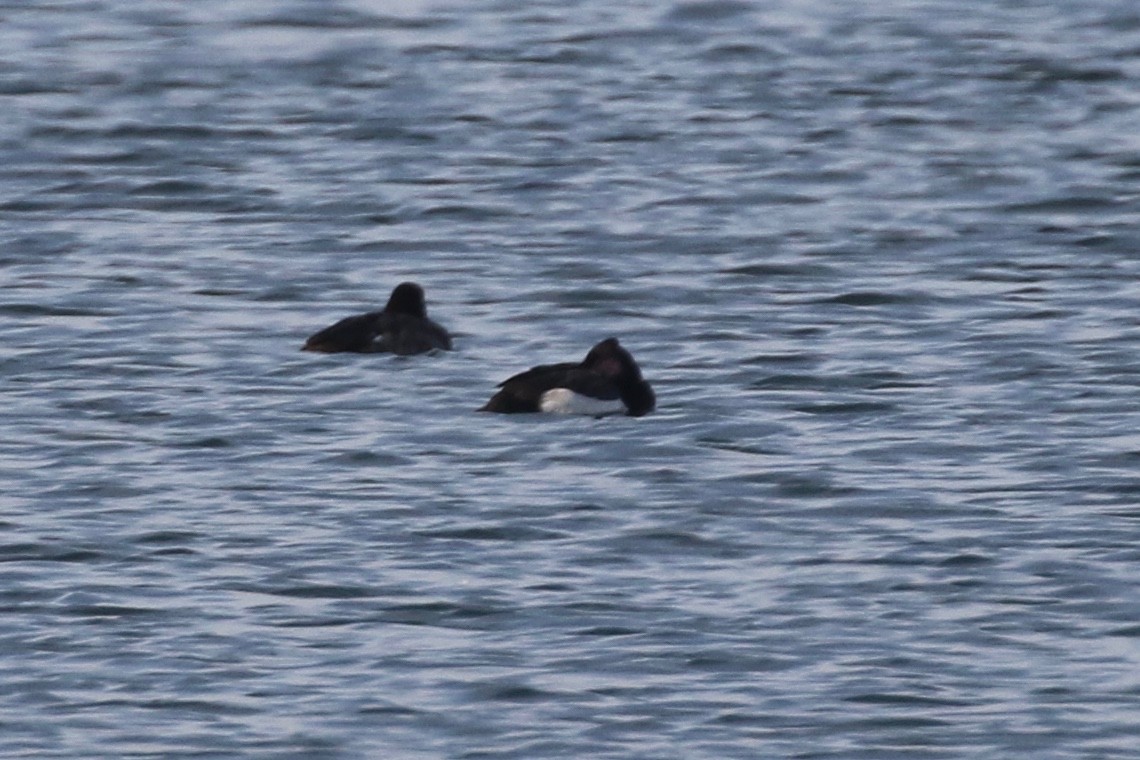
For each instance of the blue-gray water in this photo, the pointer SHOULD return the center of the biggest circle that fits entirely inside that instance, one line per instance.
(880, 261)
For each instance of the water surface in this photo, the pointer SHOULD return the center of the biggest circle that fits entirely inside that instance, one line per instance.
(878, 261)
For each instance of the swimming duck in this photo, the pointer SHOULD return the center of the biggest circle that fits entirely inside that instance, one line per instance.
(401, 327)
(607, 381)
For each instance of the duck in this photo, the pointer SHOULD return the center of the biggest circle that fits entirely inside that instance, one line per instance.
(607, 381)
(402, 327)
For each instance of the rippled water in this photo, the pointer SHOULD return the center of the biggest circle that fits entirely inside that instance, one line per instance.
(879, 261)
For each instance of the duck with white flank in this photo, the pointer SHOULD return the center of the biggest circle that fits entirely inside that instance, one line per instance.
(401, 327)
(607, 381)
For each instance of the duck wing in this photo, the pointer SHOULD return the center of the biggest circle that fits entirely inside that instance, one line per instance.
(354, 333)
(523, 392)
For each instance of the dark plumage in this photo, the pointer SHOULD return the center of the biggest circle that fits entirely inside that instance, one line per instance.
(401, 327)
(608, 380)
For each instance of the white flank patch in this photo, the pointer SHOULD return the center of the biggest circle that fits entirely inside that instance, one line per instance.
(566, 401)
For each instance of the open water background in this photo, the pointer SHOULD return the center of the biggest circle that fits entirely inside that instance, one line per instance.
(880, 261)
